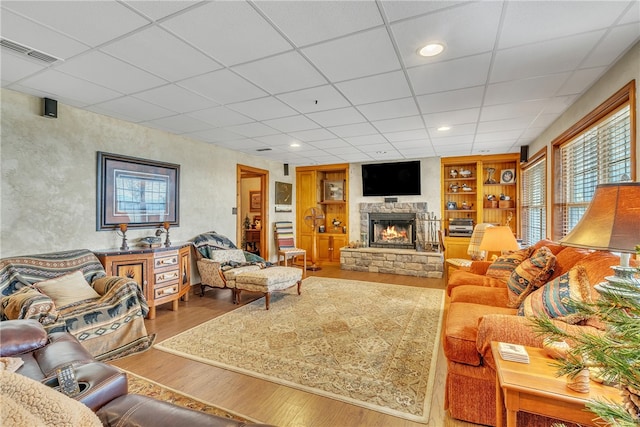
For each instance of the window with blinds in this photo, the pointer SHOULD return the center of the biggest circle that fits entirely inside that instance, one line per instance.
(598, 155)
(534, 201)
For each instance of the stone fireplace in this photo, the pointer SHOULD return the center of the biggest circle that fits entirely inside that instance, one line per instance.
(392, 230)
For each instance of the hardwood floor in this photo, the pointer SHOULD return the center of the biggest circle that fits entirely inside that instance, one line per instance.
(263, 400)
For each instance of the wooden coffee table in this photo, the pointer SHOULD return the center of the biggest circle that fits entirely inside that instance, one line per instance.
(534, 388)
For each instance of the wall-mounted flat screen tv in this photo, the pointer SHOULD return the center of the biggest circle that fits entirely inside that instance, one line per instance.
(391, 179)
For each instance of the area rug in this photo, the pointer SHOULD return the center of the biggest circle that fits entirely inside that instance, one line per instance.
(147, 387)
(369, 344)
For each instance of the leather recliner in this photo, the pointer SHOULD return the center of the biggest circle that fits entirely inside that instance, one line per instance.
(103, 387)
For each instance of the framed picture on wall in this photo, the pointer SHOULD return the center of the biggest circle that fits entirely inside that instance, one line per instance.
(255, 201)
(507, 176)
(138, 192)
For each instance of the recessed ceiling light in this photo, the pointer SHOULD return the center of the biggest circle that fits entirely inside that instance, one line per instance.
(444, 128)
(431, 49)
(294, 144)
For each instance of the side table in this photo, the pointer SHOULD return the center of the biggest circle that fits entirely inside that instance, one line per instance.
(533, 387)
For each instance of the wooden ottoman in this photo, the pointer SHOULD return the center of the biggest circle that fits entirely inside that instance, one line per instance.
(268, 280)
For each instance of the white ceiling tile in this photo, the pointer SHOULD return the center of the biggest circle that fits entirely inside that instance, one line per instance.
(357, 129)
(581, 80)
(407, 135)
(360, 141)
(252, 130)
(614, 44)
(518, 123)
(498, 136)
(160, 9)
(178, 124)
(330, 19)
(150, 50)
(382, 87)
(312, 135)
(16, 67)
(412, 143)
(263, 108)
(400, 9)
(315, 99)
(104, 70)
(281, 73)
(223, 86)
(277, 140)
(175, 98)
(330, 144)
(466, 30)
(418, 152)
(93, 22)
(491, 148)
(528, 22)
(525, 90)
(220, 116)
(69, 87)
(230, 31)
(452, 100)
(539, 59)
(450, 75)
(36, 36)
(400, 124)
(456, 130)
(513, 110)
(445, 141)
(356, 158)
(347, 149)
(216, 135)
(131, 109)
(337, 117)
(358, 55)
(389, 109)
(448, 118)
(292, 124)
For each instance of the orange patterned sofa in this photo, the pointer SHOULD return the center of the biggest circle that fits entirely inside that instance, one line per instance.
(478, 313)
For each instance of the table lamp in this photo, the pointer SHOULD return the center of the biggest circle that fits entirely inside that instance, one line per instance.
(611, 223)
(498, 239)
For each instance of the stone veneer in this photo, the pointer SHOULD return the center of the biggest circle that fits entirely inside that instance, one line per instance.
(407, 262)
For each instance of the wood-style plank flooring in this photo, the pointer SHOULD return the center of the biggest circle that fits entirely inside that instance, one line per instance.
(259, 399)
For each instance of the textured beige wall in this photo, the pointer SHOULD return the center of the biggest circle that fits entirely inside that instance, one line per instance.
(48, 193)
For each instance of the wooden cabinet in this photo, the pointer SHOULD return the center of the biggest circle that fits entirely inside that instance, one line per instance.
(163, 274)
(467, 184)
(327, 187)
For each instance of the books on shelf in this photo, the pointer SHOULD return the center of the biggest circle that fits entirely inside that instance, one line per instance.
(513, 352)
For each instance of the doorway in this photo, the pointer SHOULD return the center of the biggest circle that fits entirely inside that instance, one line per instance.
(252, 193)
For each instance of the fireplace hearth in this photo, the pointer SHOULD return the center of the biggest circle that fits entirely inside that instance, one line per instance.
(392, 230)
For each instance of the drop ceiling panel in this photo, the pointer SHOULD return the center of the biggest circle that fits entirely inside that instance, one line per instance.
(396, 10)
(320, 98)
(160, 9)
(452, 100)
(277, 140)
(231, 32)
(400, 124)
(614, 44)
(337, 117)
(358, 55)
(457, 130)
(220, 116)
(292, 124)
(176, 98)
(330, 144)
(450, 75)
(525, 90)
(110, 72)
(134, 109)
(281, 73)
(263, 108)
(448, 118)
(178, 124)
(252, 130)
(37, 36)
(223, 86)
(16, 67)
(331, 19)
(382, 87)
(360, 141)
(357, 129)
(389, 109)
(407, 135)
(92, 22)
(150, 49)
(580, 81)
(312, 135)
(465, 30)
(216, 135)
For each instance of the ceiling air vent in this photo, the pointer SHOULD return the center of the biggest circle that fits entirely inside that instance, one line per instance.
(24, 50)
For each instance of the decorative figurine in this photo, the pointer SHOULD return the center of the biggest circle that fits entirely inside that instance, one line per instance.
(490, 179)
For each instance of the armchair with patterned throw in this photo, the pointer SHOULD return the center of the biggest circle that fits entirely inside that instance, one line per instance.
(286, 244)
(69, 291)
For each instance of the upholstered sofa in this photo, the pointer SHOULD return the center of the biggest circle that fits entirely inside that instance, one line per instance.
(482, 309)
(69, 291)
(104, 388)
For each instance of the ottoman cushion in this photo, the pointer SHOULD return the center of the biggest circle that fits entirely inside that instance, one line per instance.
(269, 279)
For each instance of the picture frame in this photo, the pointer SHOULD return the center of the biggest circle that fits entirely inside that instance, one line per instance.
(333, 191)
(507, 176)
(255, 201)
(138, 192)
(284, 193)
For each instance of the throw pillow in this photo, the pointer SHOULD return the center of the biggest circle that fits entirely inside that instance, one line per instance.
(532, 273)
(502, 268)
(68, 289)
(27, 302)
(552, 299)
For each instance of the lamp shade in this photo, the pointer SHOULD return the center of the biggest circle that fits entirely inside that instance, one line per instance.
(612, 220)
(497, 239)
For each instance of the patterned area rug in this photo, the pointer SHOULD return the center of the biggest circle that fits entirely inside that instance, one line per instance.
(368, 344)
(146, 387)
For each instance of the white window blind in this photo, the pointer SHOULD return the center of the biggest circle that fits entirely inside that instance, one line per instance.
(601, 154)
(534, 202)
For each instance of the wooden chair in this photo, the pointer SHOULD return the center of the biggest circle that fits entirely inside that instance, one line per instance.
(286, 245)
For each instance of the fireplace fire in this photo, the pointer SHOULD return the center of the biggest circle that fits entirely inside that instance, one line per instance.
(392, 230)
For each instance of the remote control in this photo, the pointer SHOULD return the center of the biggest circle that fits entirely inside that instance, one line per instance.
(67, 380)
